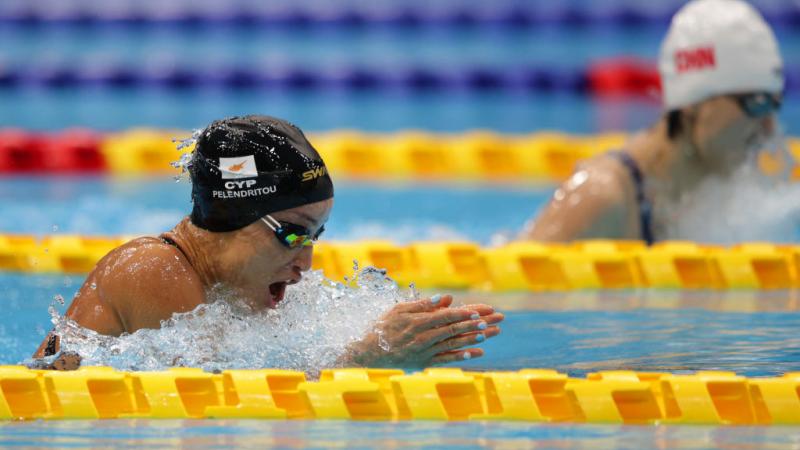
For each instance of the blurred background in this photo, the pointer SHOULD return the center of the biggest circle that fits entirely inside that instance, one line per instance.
(506, 66)
(577, 66)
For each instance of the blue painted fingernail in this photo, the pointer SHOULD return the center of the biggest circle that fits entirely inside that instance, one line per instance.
(436, 298)
(467, 355)
(480, 338)
(475, 316)
(482, 326)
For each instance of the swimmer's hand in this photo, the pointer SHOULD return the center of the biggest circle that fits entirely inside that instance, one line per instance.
(425, 332)
(62, 361)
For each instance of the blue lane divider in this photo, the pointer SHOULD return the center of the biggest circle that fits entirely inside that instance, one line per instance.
(299, 78)
(533, 79)
(349, 13)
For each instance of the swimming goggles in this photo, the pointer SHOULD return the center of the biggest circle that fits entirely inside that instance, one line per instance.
(759, 105)
(292, 235)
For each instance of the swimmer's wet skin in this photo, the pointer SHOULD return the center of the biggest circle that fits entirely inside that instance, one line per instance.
(722, 77)
(261, 197)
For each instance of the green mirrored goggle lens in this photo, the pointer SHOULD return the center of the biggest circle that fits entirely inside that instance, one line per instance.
(295, 241)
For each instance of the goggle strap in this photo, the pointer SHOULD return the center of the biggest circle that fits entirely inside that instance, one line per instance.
(275, 225)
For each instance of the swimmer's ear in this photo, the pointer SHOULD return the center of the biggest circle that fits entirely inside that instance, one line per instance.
(680, 122)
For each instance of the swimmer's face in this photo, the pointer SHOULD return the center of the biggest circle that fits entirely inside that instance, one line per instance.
(725, 136)
(266, 266)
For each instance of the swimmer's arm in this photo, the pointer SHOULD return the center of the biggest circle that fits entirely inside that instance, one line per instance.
(594, 209)
(88, 310)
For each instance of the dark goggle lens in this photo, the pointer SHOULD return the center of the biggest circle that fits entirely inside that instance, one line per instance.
(295, 236)
(759, 105)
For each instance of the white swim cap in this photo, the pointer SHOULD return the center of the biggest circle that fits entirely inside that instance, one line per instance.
(716, 47)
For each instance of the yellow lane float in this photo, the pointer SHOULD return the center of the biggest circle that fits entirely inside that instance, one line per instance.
(441, 394)
(518, 266)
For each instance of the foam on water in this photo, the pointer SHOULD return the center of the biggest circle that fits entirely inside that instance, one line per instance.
(743, 207)
(311, 328)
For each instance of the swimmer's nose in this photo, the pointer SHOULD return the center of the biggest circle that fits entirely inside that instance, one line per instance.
(302, 263)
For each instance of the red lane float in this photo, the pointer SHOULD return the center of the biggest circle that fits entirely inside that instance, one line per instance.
(70, 151)
(624, 77)
(74, 151)
(21, 152)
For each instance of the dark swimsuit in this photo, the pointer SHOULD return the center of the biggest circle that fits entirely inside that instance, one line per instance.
(169, 241)
(645, 207)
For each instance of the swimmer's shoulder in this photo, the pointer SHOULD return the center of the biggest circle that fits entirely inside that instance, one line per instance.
(146, 280)
(143, 255)
(592, 203)
(602, 179)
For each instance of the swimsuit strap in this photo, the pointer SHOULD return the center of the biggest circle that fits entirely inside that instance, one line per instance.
(171, 242)
(645, 207)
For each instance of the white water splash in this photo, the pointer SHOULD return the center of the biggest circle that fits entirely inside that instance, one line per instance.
(311, 329)
(743, 207)
(185, 159)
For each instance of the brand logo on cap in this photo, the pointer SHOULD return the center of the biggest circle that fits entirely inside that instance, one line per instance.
(238, 167)
(695, 59)
(315, 173)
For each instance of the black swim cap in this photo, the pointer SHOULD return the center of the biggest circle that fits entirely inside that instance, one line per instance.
(244, 168)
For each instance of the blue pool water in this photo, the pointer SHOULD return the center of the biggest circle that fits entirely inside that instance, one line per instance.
(373, 47)
(547, 48)
(99, 205)
(745, 332)
(357, 435)
(750, 333)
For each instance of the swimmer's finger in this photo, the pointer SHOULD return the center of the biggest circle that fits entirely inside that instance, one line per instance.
(483, 310)
(443, 317)
(491, 332)
(494, 318)
(426, 304)
(457, 342)
(430, 338)
(457, 356)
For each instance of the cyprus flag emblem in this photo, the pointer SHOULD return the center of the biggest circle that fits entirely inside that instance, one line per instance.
(238, 167)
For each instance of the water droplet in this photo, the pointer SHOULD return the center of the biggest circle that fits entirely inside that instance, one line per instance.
(58, 298)
(414, 293)
(55, 228)
(93, 285)
(67, 281)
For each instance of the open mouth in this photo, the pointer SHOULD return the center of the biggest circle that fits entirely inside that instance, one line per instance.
(277, 292)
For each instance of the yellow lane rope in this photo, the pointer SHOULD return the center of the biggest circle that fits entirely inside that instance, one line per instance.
(417, 155)
(520, 266)
(535, 395)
